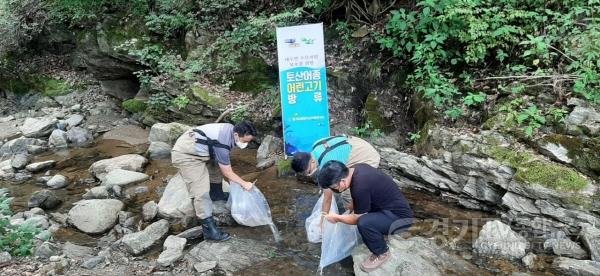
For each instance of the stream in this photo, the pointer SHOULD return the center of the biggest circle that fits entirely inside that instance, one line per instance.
(291, 201)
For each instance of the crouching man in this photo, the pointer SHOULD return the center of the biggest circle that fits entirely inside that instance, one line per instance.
(202, 156)
(379, 206)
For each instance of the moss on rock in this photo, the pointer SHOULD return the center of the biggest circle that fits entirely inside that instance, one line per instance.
(373, 114)
(582, 152)
(134, 106)
(530, 169)
(29, 83)
(203, 95)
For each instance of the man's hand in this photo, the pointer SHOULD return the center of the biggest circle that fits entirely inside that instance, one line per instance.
(247, 185)
(333, 218)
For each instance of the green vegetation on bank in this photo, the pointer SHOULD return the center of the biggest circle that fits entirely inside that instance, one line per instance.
(17, 240)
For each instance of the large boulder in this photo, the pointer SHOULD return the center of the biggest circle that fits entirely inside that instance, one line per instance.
(20, 145)
(590, 236)
(20, 160)
(9, 130)
(96, 215)
(231, 256)
(566, 248)
(583, 120)
(159, 150)
(499, 240)
(44, 199)
(58, 139)
(38, 127)
(415, 256)
(172, 250)
(79, 136)
(167, 133)
(139, 242)
(130, 162)
(130, 134)
(122, 177)
(577, 267)
(175, 202)
(266, 155)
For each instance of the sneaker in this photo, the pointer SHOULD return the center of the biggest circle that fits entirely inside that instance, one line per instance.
(374, 261)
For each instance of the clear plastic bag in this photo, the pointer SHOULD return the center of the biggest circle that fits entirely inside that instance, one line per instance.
(338, 241)
(312, 223)
(248, 208)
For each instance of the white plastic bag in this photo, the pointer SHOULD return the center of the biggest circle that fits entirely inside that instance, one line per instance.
(248, 208)
(338, 241)
(312, 223)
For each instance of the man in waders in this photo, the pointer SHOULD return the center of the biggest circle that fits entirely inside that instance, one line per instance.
(202, 156)
(349, 150)
(380, 208)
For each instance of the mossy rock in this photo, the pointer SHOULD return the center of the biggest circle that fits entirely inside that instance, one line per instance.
(583, 154)
(134, 106)
(256, 76)
(284, 167)
(373, 114)
(203, 95)
(533, 170)
(48, 86)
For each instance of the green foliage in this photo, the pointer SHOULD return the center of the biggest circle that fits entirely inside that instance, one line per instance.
(533, 170)
(89, 12)
(134, 106)
(345, 33)
(474, 99)
(367, 131)
(239, 115)
(180, 102)
(558, 114)
(17, 240)
(20, 22)
(443, 39)
(158, 101)
(530, 118)
(317, 6)
(414, 137)
(171, 18)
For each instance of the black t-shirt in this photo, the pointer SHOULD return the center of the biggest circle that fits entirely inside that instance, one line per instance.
(374, 191)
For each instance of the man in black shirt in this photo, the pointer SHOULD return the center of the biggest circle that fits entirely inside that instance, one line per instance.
(379, 206)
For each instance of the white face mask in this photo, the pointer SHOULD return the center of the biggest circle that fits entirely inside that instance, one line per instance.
(241, 144)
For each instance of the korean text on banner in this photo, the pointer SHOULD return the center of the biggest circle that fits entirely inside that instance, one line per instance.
(303, 83)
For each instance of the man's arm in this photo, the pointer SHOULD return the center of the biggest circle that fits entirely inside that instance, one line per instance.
(227, 171)
(351, 219)
(327, 198)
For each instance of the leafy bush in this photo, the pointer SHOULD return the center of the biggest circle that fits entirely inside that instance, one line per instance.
(17, 240)
(180, 102)
(159, 101)
(20, 22)
(171, 18)
(531, 42)
(89, 12)
(134, 106)
(367, 131)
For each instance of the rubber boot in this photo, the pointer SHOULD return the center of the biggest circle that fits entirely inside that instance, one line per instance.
(216, 192)
(211, 232)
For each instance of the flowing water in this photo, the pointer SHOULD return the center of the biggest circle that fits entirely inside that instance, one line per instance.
(291, 203)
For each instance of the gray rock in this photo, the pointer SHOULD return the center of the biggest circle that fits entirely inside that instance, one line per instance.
(93, 262)
(44, 199)
(75, 108)
(58, 181)
(19, 145)
(122, 177)
(130, 134)
(99, 192)
(75, 251)
(167, 133)
(205, 266)
(36, 211)
(20, 160)
(159, 150)
(96, 215)
(79, 136)
(175, 202)
(130, 162)
(269, 147)
(577, 267)
(565, 248)
(22, 176)
(192, 233)
(555, 151)
(35, 149)
(38, 127)
(58, 139)
(137, 243)
(141, 190)
(172, 251)
(124, 216)
(60, 218)
(583, 119)
(5, 258)
(499, 240)
(40, 166)
(47, 249)
(149, 210)
(519, 203)
(74, 120)
(529, 261)
(590, 237)
(38, 222)
(234, 255)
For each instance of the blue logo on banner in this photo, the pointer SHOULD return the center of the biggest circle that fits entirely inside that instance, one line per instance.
(304, 107)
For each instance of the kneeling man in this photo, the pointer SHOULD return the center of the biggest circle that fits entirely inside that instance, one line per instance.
(379, 206)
